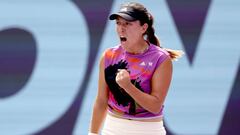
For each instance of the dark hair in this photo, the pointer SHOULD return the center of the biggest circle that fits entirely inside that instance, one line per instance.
(150, 32)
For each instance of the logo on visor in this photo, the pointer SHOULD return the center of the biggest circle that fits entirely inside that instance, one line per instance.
(124, 9)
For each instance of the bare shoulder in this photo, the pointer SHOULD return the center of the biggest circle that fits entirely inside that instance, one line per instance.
(165, 65)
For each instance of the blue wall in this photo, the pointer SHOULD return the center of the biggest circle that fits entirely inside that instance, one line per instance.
(49, 52)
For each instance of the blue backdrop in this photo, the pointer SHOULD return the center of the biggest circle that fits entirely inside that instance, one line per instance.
(49, 53)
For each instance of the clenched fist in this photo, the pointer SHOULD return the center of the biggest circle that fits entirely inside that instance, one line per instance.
(123, 78)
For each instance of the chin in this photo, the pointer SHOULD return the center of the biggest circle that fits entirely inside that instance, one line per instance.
(123, 43)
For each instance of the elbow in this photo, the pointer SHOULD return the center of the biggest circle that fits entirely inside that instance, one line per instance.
(156, 106)
(156, 110)
(101, 104)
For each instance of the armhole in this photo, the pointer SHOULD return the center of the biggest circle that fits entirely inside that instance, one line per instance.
(161, 59)
(106, 62)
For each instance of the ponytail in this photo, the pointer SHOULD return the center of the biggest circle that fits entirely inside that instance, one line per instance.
(151, 33)
(151, 38)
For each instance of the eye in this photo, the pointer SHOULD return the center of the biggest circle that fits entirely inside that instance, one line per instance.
(117, 22)
(128, 23)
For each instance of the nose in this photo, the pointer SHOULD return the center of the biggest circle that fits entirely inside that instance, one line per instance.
(122, 28)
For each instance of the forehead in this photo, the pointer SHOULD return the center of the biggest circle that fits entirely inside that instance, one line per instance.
(119, 18)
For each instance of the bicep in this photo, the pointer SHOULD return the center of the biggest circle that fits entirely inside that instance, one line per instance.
(161, 80)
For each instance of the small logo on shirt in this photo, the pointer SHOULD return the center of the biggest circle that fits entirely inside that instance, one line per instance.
(150, 64)
(143, 64)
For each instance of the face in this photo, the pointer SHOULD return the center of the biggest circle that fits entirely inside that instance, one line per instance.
(130, 32)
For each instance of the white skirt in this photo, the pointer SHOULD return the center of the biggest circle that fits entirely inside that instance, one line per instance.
(118, 126)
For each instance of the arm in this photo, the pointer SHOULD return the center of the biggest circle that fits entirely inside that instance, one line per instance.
(160, 83)
(100, 105)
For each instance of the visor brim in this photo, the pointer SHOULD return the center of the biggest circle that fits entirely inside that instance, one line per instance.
(123, 15)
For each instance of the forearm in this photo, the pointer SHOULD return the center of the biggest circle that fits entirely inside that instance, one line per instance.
(98, 116)
(149, 102)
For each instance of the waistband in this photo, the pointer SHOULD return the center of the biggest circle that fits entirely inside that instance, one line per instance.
(144, 119)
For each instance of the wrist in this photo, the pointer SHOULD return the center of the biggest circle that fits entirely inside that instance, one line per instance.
(129, 87)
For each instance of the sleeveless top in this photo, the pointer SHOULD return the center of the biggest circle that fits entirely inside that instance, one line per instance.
(141, 68)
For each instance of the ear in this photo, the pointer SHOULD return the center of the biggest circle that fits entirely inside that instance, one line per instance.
(144, 28)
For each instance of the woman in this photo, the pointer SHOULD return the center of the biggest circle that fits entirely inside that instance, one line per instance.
(134, 78)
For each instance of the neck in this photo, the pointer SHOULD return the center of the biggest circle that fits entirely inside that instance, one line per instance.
(137, 48)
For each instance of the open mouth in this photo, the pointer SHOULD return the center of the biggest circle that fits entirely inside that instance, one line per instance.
(123, 39)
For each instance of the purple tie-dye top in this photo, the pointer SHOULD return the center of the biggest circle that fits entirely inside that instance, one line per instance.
(141, 68)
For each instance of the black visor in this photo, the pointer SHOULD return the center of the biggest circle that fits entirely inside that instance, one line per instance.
(129, 14)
